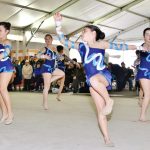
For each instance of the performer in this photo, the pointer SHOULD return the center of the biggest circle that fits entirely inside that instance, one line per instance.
(143, 75)
(138, 88)
(49, 71)
(61, 58)
(61, 68)
(6, 72)
(64, 60)
(98, 77)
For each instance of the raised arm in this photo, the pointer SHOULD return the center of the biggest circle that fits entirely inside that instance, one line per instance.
(8, 49)
(116, 46)
(67, 43)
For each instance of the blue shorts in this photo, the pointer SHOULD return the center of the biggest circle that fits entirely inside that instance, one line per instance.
(106, 74)
(61, 68)
(6, 66)
(47, 69)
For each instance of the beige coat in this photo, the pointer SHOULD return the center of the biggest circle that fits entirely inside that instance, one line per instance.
(27, 71)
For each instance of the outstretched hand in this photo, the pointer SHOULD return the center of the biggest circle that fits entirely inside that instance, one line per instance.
(144, 49)
(45, 57)
(58, 17)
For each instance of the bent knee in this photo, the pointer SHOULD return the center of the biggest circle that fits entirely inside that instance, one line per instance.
(62, 74)
(93, 81)
(147, 96)
(3, 89)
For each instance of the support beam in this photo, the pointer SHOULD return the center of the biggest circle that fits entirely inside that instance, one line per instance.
(118, 10)
(67, 4)
(24, 45)
(50, 14)
(128, 29)
(76, 19)
(17, 49)
(16, 28)
(109, 15)
(75, 32)
(121, 8)
(110, 27)
(33, 33)
(104, 2)
(130, 39)
(23, 7)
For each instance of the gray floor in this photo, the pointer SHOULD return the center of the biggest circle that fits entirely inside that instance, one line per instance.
(72, 125)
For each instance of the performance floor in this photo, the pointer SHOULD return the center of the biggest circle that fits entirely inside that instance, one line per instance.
(72, 124)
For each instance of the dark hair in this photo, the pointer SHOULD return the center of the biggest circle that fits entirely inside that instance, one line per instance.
(99, 33)
(60, 48)
(123, 63)
(74, 59)
(145, 31)
(49, 36)
(6, 25)
(137, 52)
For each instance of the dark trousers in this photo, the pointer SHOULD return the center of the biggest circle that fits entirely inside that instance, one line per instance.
(75, 85)
(38, 82)
(27, 83)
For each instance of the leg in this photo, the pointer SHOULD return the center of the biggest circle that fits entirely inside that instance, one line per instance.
(75, 85)
(4, 81)
(62, 80)
(102, 120)
(58, 74)
(4, 110)
(29, 84)
(47, 82)
(141, 94)
(130, 84)
(37, 83)
(25, 84)
(145, 83)
(99, 84)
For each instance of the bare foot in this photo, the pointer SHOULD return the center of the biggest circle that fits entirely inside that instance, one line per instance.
(45, 105)
(108, 108)
(143, 120)
(3, 118)
(58, 98)
(109, 143)
(9, 120)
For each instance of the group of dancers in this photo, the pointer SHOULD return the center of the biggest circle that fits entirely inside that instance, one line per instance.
(92, 51)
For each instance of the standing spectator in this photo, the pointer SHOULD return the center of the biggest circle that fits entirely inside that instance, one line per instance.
(27, 71)
(18, 77)
(23, 62)
(129, 78)
(38, 77)
(68, 76)
(32, 62)
(75, 83)
(123, 66)
(119, 75)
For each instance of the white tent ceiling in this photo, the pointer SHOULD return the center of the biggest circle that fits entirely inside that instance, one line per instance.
(122, 20)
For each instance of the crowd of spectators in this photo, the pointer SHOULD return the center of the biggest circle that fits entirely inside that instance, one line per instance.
(27, 76)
